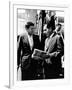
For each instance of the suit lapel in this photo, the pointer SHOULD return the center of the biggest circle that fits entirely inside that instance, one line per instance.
(33, 42)
(27, 42)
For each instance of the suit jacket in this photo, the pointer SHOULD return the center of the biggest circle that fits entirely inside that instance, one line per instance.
(24, 51)
(56, 50)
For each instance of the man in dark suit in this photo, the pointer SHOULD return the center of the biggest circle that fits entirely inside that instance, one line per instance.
(26, 44)
(55, 49)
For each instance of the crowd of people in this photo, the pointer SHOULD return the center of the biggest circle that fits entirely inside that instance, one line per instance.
(49, 66)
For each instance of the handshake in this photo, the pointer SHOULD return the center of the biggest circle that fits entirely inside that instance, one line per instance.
(39, 54)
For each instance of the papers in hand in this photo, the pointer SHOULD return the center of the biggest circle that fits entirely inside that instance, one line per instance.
(38, 53)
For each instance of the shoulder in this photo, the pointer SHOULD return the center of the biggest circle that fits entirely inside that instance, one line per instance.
(57, 36)
(22, 36)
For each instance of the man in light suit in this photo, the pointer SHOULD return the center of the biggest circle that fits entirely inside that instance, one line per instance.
(55, 49)
(26, 44)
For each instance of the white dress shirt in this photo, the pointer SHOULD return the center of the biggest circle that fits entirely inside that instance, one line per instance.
(30, 39)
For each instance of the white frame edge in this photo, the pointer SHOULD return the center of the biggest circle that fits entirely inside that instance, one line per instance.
(11, 39)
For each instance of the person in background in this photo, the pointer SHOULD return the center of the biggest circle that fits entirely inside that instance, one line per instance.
(60, 30)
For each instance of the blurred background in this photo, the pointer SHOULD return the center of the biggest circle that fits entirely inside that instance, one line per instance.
(39, 17)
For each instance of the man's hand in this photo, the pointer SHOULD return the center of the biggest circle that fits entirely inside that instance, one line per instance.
(26, 57)
(37, 58)
(48, 61)
(18, 66)
(54, 54)
(45, 56)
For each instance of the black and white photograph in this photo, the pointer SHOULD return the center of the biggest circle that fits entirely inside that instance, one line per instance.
(36, 44)
(40, 44)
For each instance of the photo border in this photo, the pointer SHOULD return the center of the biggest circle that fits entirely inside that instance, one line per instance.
(13, 6)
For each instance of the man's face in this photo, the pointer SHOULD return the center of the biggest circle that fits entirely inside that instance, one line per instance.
(49, 32)
(30, 30)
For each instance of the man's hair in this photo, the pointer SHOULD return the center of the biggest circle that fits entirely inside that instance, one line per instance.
(59, 26)
(29, 24)
(51, 23)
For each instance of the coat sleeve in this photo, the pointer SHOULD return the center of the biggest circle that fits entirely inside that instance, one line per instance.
(59, 47)
(19, 46)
